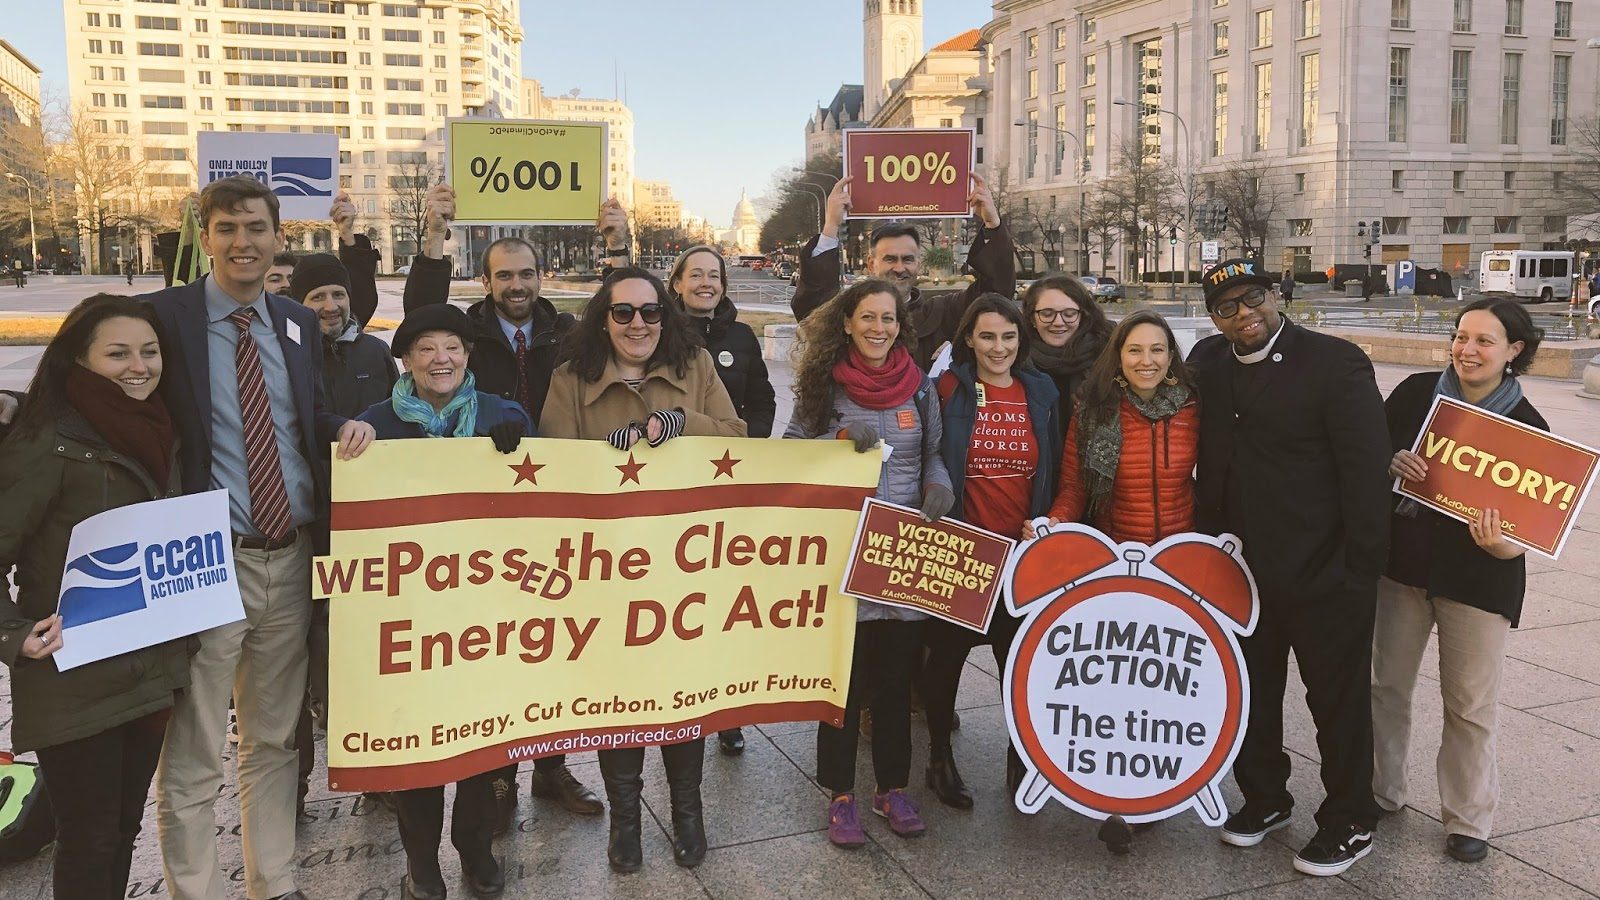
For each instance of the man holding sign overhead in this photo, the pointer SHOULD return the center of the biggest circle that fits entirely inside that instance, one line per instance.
(895, 253)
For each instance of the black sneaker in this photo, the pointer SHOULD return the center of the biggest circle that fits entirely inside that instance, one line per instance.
(1248, 827)
(1333, 850)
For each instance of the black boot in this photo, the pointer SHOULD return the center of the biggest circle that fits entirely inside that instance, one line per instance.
(945, 780)
(621, 771)
(1116, 834)
(1015, 771)
(685, 764)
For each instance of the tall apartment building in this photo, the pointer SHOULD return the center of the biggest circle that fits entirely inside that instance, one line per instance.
(382, 76)
(19, 86)
(1448, 121)
(572, 107)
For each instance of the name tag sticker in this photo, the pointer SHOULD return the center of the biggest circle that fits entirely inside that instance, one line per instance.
(293, 328)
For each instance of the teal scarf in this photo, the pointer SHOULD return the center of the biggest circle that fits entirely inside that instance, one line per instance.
(459, 418)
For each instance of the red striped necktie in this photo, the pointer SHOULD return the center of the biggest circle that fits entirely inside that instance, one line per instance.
(522, 373)
(269, 499)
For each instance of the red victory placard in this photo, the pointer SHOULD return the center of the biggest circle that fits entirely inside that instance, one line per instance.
(1126, 690)
(946, 569)
(1478, 460)
(908, 173)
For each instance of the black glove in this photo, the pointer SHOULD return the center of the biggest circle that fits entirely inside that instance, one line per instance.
(864, 435)
(936, 501)
(507, 436)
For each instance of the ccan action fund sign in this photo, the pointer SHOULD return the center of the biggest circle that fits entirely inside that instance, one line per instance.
(575, 597)
(1126, 690)
(1478, 460)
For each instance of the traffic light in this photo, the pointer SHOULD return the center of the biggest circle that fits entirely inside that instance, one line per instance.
(1172, 236)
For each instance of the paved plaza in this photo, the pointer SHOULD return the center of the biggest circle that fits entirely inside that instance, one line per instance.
(766, 822)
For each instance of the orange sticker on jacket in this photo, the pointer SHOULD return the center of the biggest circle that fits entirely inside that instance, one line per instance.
(908, 419)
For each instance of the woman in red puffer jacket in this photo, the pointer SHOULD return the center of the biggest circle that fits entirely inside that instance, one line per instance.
(1128, 463)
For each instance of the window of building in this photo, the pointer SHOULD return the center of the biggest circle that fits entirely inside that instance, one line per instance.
(97, 73)
(1399, 13)
(1310, 18)
(97, 99)
(116, 48)
(201, 26)
(1399, 87)
(96, 46)
(1149, 90)
(1555, 223)
(157, 23)
(401, 10)
(407, 35)
(1300, 227)
(1031, 42)
(947, 123)
(1513, 16)
(1263, 28)
(1058, 158)
(1061, 37)
(1219, 38)
(1458, 180)
(1088, 30)
(403, 109)
(117, 73)
(1506, 225)
(441, 85)
(403, 59)
(1560, 83)
(178, 154)
(1263, 129)
(402, 84)
(366, 133)
(1088, 132)
(1219, 113)
(161, 101)
(93, 19)
(438, 37)
(1460, 85)
(204, 52)
(147, 49)
(1509, 180)
(438, 62)
(1457, 224)
(120, 100)
(1462, 19)
(1310, 82)
(1299, 182)
(1563, 18)
(113, 20)
(1061, 77)
(1396, 224)
(1510, 96)
(166, 127)
(1090, 62)
(1033, 84)
(1033, 141)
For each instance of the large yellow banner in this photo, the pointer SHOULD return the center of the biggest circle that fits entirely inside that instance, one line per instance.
(489, 608)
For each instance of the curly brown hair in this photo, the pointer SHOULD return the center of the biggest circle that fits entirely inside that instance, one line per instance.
(825, 343)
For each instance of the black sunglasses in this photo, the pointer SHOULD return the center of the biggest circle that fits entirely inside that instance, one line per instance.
(1252, 298)
(622, 313)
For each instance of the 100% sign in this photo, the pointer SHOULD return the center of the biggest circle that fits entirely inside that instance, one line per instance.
(909, 168)
(525, 175)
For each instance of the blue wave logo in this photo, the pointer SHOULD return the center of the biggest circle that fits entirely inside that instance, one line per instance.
(301, 176)
(102, 585)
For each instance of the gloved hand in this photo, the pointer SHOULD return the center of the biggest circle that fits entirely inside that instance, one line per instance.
(864, 436)
(663, 425)
(936, 501)
(623, 437)
(507, 435)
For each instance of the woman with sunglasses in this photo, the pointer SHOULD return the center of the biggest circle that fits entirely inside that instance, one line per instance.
(635, 372)
(1069, 330)
(698, 284)
(856, 381)
(1001, 445)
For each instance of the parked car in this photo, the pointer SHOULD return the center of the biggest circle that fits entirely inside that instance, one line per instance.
(1105, 288)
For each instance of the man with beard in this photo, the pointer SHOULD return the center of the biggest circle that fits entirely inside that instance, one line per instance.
(895, 254)
(1294, 453)
(516, 336)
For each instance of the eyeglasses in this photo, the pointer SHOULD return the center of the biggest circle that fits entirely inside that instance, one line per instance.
(1050, 315)
(622, 313)
(1252, 298)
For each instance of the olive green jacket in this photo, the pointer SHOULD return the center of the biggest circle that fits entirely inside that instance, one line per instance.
(49, 482)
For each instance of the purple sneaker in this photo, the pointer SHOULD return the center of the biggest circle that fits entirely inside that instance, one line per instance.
(844, 826)
(904, 817)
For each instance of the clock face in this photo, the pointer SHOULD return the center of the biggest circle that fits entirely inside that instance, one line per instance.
(1124, 693)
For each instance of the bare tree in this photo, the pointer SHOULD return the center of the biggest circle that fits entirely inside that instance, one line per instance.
(1578, 185)
(1252, 198)
(104, 185)
(408, 202)
(1144, 189)
(1104, 221)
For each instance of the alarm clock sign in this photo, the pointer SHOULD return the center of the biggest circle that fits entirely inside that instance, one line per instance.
(1126, 691)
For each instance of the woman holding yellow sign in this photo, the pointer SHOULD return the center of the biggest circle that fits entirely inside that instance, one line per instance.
(635, 373)
(1465, 579)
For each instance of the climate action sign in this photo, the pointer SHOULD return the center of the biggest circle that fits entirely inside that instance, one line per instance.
(1478, 460)
(1126, 690)
(946, 568)
(908, 173)
(301, 169)
(575, 597)
(526, 172)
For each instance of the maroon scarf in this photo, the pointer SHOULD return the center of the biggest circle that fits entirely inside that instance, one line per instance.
(882, 388)
(139, 429)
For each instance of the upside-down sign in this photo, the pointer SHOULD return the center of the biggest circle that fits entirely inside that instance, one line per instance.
(574, 597)
(1126, 690)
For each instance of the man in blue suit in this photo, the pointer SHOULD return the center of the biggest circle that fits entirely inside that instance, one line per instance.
(243, 385)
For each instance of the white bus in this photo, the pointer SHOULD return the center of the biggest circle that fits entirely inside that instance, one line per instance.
(1542, 275)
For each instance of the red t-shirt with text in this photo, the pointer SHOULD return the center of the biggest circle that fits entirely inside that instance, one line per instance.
(1002, 458)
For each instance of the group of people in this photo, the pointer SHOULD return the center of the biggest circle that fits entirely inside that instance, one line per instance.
(1047, 411)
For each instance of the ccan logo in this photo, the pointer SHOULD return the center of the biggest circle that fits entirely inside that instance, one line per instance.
(1126, 691)
(301, 176)
(101, 585)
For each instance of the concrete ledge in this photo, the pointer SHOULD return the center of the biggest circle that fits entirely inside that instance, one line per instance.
(1555, 359)
(778, 342)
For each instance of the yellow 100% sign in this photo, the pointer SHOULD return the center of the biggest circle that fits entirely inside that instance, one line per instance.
(526, 172)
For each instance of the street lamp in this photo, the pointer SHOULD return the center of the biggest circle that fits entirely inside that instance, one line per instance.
(832, 175)
(1082, 169)
(817, 206)
(33, 236)
(1188, 174)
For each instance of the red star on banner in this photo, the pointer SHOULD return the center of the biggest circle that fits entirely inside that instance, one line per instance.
(526, 470)
(630, 471)
(725, 465)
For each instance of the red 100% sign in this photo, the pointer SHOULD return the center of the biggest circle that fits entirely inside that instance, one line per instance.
(906, 173)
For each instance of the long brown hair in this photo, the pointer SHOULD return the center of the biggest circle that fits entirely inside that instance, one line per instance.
(47, 393)
(1100, 397)
(825, 343)
(1093, 326)
(961, 352)
(588, 345)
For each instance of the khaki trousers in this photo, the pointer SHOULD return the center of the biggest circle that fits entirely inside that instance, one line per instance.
(1472, 646)
(261, 663)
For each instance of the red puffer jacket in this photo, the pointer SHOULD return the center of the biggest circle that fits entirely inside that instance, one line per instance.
(1153, 494)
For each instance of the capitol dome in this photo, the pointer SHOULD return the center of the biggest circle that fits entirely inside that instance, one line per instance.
(744, 214)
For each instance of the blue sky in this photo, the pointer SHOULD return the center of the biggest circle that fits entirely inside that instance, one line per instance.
(719, 99)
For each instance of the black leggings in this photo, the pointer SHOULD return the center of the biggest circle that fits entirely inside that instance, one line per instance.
(948, 646)
(472, 816)
(880, 677)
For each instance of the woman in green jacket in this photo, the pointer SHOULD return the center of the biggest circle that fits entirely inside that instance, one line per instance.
(92, 435)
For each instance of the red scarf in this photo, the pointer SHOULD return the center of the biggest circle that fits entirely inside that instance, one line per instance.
(882, 388)
(139, 429)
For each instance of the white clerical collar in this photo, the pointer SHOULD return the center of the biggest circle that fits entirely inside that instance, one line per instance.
(1251, 359)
